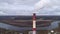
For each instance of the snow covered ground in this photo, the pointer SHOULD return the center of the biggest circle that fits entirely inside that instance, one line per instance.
(27, 7)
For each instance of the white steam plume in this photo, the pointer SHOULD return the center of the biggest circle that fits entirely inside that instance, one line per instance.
(47, 4)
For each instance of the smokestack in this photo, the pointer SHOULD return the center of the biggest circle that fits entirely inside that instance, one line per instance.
(34, 23)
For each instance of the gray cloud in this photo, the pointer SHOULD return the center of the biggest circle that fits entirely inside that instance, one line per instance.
(25, 7)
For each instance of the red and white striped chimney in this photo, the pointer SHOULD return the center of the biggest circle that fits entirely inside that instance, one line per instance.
(34, 23)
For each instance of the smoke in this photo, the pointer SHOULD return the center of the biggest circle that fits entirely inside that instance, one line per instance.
(49, 7)
(47, 4)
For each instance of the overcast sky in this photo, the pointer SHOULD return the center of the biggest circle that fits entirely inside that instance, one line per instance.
(27, 7)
